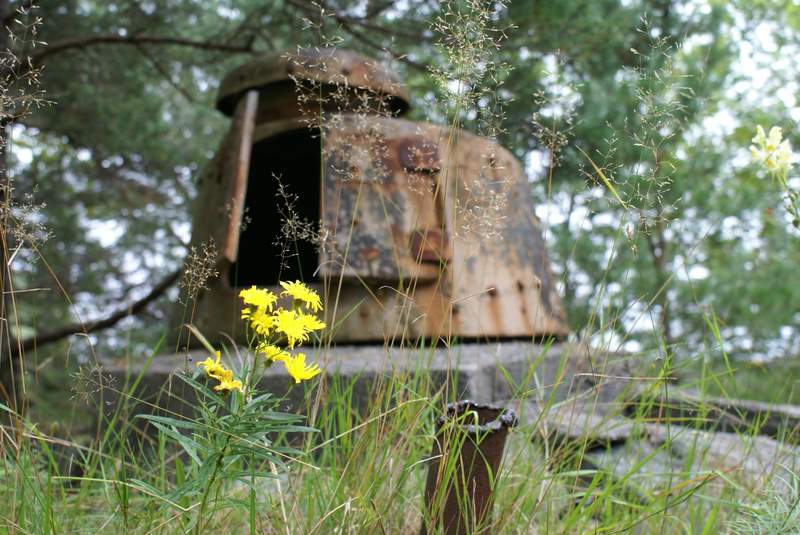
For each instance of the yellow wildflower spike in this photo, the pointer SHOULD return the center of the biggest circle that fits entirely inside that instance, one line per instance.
(772, 151)
(761, 136)
(774, 138)
(301, 292)
(298, 369)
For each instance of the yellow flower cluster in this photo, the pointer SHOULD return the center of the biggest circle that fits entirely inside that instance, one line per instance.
(295, 325)
(772, 151)
(217, 370)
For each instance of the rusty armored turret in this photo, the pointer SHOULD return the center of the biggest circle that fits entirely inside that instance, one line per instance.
(424, 231)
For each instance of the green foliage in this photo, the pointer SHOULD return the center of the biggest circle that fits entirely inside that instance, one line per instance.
(231, 440)
(778, 514)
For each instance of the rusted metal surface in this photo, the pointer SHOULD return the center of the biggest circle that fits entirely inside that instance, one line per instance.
(466, 456)
(418, 154)
(430, 245)
(223, 181)
(408, 202)
(426, 231)
(373, 206)
(506, 286)
(318, 67)
(243, 125)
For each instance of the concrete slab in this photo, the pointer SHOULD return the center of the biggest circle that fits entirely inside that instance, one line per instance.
(484, 372)
(649, 456)
(719, 414)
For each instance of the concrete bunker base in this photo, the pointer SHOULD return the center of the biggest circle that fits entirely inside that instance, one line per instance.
(484, 372)
(575, 398)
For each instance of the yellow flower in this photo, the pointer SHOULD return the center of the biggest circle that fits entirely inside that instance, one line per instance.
(298, 369)
(311, 322)
(772, 151)
(301, 292)
(291, 324)
(259, 298)
(260, 321)
(224, 375)
(261, 303)
(272, 352)
(229, 383)
(213, 368)
(216, 370)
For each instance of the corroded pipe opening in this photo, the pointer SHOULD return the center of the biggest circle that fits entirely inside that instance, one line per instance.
(467, 451)
(489, 417)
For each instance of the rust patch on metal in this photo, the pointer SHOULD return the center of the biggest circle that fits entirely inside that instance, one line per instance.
(418, 154)
(377, 213)
(429, 245)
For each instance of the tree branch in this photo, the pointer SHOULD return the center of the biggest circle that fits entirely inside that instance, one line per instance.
(347, 24)
(164, 74)
(136, 40)
(49, 337)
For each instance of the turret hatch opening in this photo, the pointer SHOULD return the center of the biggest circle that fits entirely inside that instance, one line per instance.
(266, 253)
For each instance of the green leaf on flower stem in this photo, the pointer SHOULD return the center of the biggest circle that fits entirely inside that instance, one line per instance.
(186, 424)
(188, 445)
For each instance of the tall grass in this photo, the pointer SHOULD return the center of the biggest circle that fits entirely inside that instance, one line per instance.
(364, 472)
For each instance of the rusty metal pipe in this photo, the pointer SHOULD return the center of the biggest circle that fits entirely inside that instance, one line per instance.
(467, 450)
